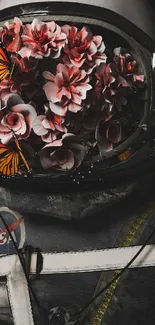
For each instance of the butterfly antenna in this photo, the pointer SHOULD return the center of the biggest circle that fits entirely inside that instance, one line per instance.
(20, 151)
(21, 155)
(12, 70)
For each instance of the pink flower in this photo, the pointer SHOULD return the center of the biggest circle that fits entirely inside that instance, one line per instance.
(19, 118)
(49, 126)
(83, 49)
(28, 83)
(42, 39)
(68, 89)
(64, 154)
(10, 35)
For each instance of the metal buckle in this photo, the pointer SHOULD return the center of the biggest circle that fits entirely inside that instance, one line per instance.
(28, 251)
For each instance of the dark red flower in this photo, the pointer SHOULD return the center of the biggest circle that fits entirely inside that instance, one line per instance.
(108, 134)
(96, 114)
(83, 49)
(111, 86)
(105, 78)
(27, 83)
(24, 64)
(64, 154)
(126, 66)
(116, 97)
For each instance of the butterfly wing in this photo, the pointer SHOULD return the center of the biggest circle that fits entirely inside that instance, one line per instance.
(9, 161)
(4, 65)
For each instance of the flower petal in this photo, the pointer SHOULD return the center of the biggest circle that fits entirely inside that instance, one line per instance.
(38, 127)
(6, 138)
(114, 132)
(46, 162)
(28, 111)
(103, 143)
(48, 76)
(51, 91)
(14, 46)
(64, 158)
(56, 143)
(57, 109)
(74, 107)
(13, 100)
(49, 137)
(25, 52)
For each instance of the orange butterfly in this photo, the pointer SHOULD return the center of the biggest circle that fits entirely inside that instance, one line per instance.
(5, 66)
(10, 159)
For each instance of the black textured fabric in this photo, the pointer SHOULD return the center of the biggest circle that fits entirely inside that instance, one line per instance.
(134, 300)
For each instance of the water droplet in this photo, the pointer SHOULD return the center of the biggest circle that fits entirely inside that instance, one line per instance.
(100, 179)
(79, 173)
(82, 176)
(89, 171)
(98, 160)
(74, 180)
(78, 182)
(91, 166)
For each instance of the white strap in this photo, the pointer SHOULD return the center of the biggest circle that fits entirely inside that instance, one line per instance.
(101, 260)
(7, 264)
(86, 261)
(19, 297)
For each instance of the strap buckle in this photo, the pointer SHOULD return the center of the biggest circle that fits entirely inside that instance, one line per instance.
(26, 254)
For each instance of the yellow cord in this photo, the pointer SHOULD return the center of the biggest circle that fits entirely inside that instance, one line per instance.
(126, 242)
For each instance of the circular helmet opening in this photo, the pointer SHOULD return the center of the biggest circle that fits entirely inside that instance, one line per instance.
(117, 141)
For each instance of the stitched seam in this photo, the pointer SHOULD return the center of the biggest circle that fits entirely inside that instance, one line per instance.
(89, 269)
(29, 302)
(11, 300)
(30, 316)
(84, 252)
(95, 251)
